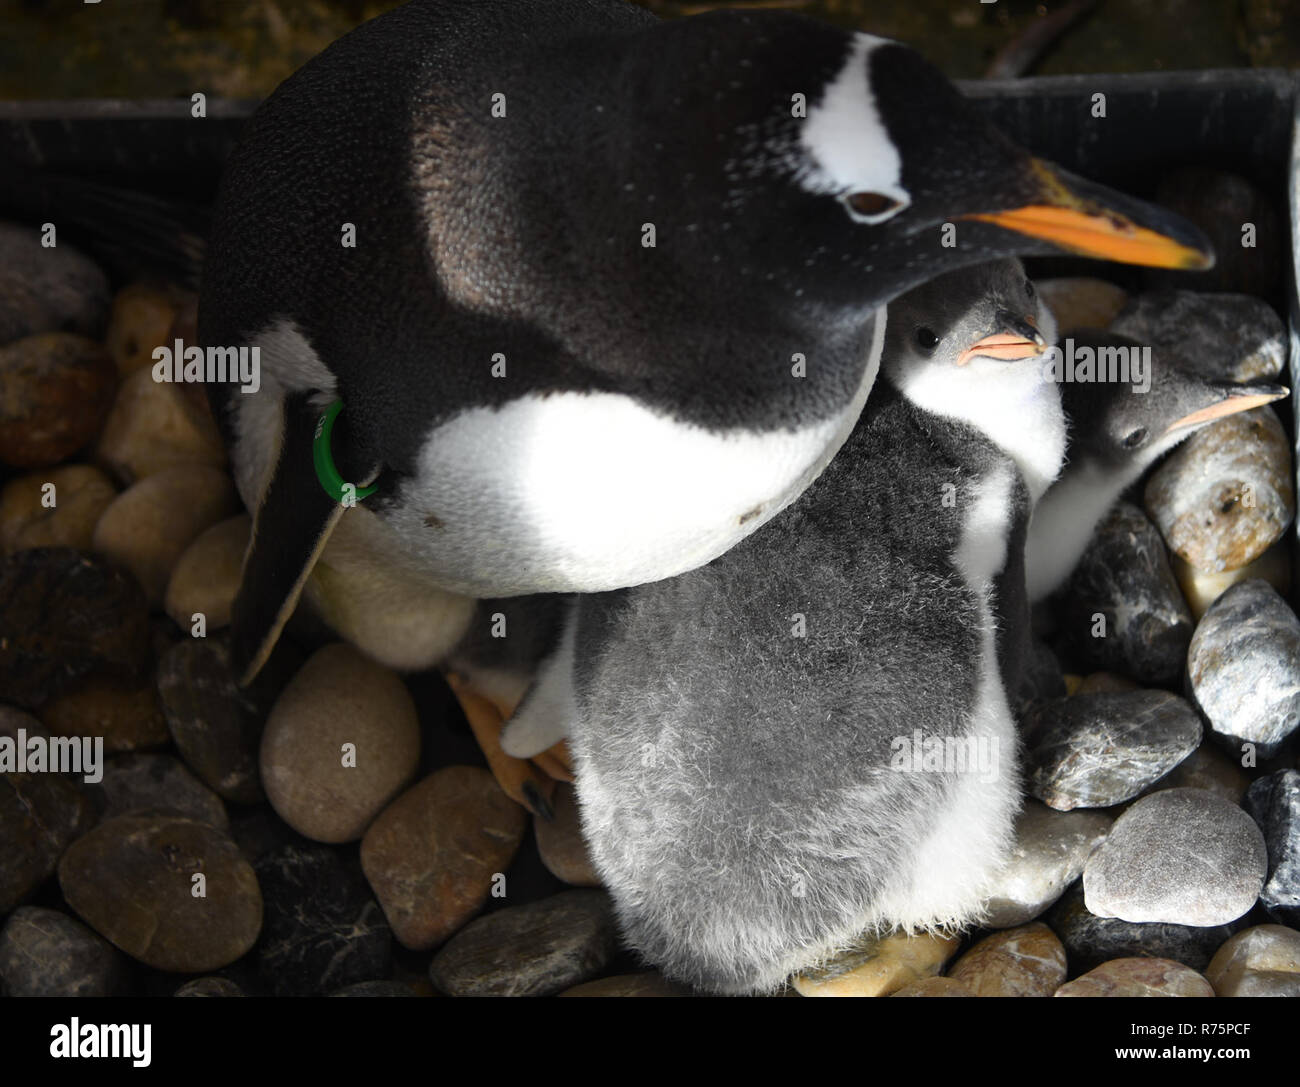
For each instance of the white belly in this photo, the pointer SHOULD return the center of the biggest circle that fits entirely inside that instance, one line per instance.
(593, 491)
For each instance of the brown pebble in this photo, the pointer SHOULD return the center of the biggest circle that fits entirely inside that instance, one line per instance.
(323, 790)
(1259, 961)
(128, 717)
(1138, 977)
(141, 320)
(560, 841)
(1026, 961)
(62, 514)
(132, 880)
(206, 578)
(878, 967)
(55, 391)
(936, 987)
(149, 525)
(433, 854)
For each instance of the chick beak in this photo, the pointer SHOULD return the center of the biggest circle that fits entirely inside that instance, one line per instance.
(1081, 217)
(1019, 339)
(1233, 398)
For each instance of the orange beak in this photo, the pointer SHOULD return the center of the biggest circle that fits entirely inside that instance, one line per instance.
(1069, 218)
(1235, 402)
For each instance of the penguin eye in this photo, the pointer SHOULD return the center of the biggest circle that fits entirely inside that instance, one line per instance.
(872, 206)
(927, 339)
(1029, 288)
(1135, 438)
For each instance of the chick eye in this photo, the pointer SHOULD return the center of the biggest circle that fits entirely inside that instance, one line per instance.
(1029, 288)
(927, 339)
(872, 206)
(1135, 438)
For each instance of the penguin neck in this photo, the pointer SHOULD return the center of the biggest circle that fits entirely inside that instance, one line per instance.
(1013, 408)
(1064, 520)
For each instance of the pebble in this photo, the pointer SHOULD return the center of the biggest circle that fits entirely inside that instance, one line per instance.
(1244, 669)
(81, 492)
(126, 717)
(1026, 961)
(375, 988)
(1051, 848)
(46, 953)
(141, 320)
(41, 814)
(210, 986)
(1274, 803)
(1082, 301)
(1226, 495)
(560, 841)
(936, 986)
(206, 577)
(1138, 977)
(47, 288)
(1259, 961)
(651, 983)
(154, 425)
(1095, 750)
(63, 615)
(1235, 337)
(1091, 940)
(149, 525)
(433, 854)
(533, 950)
(1180, 856)
(323, 928)
(1201, 589)
(1207, 768)
(1124, 575)
(138, 782)
(215, 723)
(55, 390)
(339, 698)
(878, 967)
(131, 879)
(1220, 203)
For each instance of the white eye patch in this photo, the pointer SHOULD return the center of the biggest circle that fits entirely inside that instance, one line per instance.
(847, 148)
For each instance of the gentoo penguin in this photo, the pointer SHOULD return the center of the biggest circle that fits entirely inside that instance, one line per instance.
(597, 294)
(1117, 430)
(768, 749)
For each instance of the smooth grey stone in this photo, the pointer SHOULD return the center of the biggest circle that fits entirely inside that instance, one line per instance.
(1095, 750)
(210, 986)
(1050, 851)
(140, 782)
(1125, 576)
(46, 953)
(322, 928)
(1274, 803)
(1244, 669)
(1207, 768)
(48, 288)
(533, 950)
(1091, 940)
(1235, 337)
(1181, 856)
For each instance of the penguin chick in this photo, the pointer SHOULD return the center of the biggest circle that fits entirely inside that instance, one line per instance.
(1117, 430)
(748, 736)
(559, 261)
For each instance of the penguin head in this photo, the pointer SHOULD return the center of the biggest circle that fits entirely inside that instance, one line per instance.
(844, 169)
(969, 343)
(1126, 425)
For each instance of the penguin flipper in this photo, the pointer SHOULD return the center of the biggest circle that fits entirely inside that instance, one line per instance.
(290, 530)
